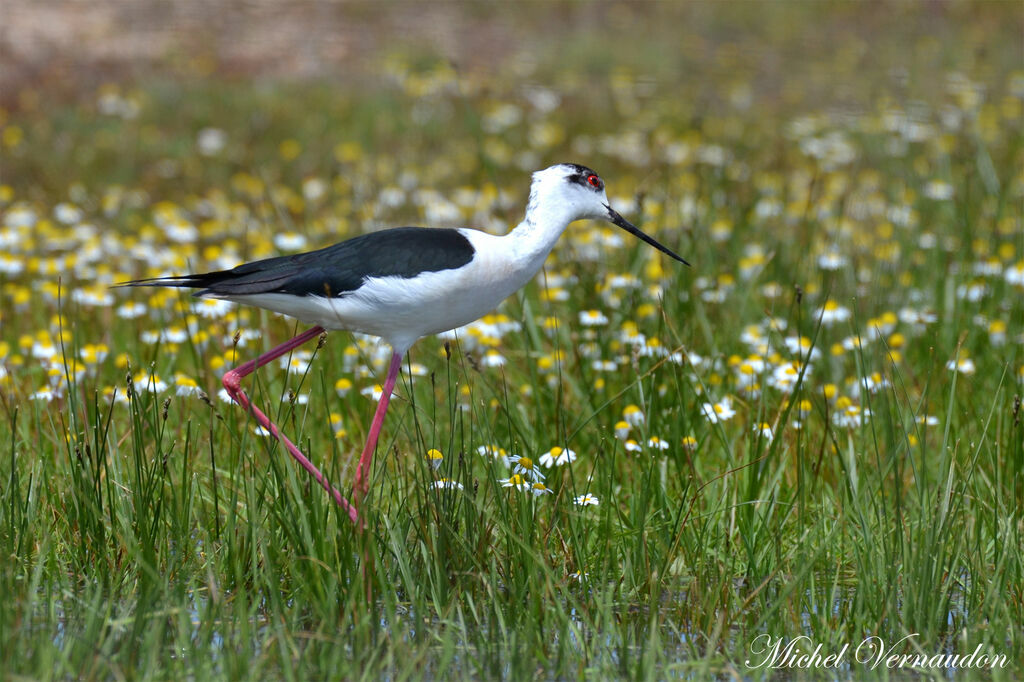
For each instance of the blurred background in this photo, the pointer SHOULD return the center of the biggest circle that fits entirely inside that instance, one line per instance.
(786, 50)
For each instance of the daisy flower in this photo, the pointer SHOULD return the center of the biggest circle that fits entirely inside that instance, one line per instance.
(212, 308)
(45, 394)
(492, 358)
(765, 430)
(434, 457)
(657, 443)
(832, 313)
(832, 260)
(963, 365)
(185, 385)
(494, 452)
(718, 412)
(1014, 274)
(447, 484)
(93, 353)
(557, 456)
(587, 500)
(342, 386)
(593, 318)
(211, 141)
(539, 490)
(848, 414)
(515, 481)
(337, 425)
(374, 392)
(633, 415)
(298, 362)
(801, 345)
(149, 382)
(525, 466)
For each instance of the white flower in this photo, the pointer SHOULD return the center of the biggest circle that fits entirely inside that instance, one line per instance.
(593, 318)
(447, 484)
(587, 500)
(131, 310)
(939, 190)
(633, 415)
(851, 416)
(150, 383)
(67, 213)
(515, 481)
(961, 365)
(1015, 274)
(785, 376)
(434, 457)
(832, 260)
(494, 452)
(314, 189)
(43, 349)
(801, 346)
(45, 394)
(9, 265)
(765, 430)
(492, 358)
(718, 412)
(298, 362)
(557, 456)
(539, 490)
(525, 466)
(185, 386)
(212, 308)
(831, 313)
(374, 392)
(211, 141)
(290, 241)
(174, 335)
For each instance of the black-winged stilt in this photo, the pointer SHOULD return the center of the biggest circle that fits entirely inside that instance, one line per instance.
(402, 284)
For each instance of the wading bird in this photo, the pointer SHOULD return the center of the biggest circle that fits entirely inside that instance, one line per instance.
(402, 284)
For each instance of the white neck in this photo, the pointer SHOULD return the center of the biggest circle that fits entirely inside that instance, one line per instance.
(545, 221)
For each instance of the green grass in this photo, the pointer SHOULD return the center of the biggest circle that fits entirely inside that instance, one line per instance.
(160, 537)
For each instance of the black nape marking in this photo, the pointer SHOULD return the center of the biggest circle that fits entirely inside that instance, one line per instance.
(580, 175)
(339, 269)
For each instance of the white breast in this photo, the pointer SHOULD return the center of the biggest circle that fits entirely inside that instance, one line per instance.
(401, 310)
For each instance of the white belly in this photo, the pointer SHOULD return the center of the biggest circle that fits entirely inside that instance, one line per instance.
(401, 310)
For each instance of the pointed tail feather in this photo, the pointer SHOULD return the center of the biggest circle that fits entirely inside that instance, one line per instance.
(183, 281)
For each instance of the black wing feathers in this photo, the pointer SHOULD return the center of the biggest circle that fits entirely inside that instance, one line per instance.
(335, 270)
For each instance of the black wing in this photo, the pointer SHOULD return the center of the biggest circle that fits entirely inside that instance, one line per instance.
(337, 269)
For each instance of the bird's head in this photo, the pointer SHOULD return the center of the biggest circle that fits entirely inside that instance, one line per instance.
(581, 191)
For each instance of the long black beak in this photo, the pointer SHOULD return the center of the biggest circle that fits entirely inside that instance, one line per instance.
(635, 231)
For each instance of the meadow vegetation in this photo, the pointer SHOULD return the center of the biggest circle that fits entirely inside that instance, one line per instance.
(630, 468)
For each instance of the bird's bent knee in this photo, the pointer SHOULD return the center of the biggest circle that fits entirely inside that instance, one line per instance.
(231, 381)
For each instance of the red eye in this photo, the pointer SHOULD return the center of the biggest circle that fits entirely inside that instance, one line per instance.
(594, 181)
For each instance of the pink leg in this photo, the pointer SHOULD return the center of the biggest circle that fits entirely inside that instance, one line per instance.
(363, 471)
(231, 382)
